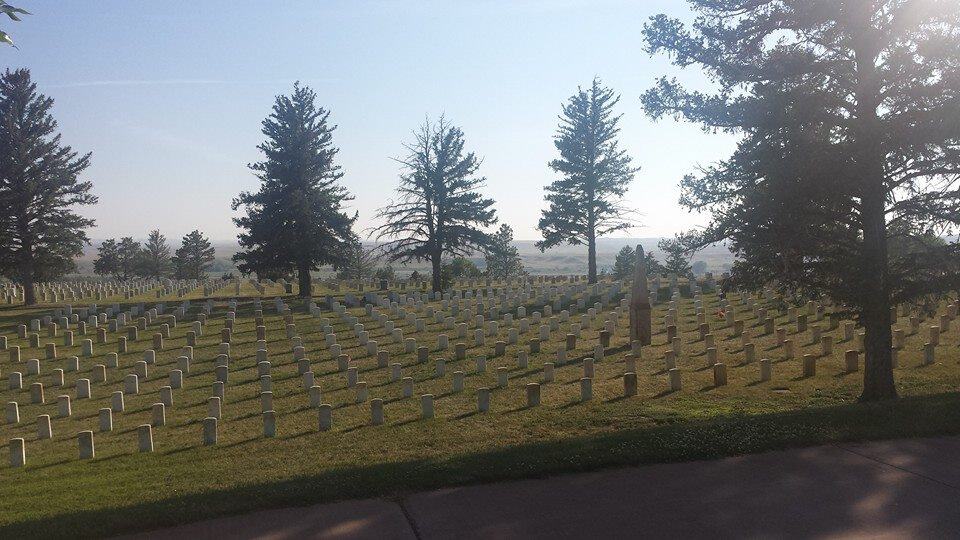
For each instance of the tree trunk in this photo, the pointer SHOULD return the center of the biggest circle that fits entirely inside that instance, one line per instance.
(303, 275)
(29, 293)
(26, 269)
(875, 291)
(435, 264)
(875, 315)
(592, 258)
(26, 273)
(878, 366)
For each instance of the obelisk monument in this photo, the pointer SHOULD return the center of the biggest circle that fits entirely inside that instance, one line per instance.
(640, 321)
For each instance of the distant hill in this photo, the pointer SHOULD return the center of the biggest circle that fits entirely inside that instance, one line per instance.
(559, 260)
(573, 259)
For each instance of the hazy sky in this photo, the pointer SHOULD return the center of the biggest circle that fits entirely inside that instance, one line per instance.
(169, 96)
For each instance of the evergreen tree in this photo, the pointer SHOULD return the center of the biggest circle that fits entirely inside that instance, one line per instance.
(462, 267)
(503, 259)
(846, 115)
(458, 268)
(385, 272)
(585, 202)
(129, 258)
(194, 257)
(439, 211)
(107, 262)
(359, 264)
(155, 257)
(653, 265)
(40, 233)
(295, 222)
(625, 263)
(676, 256)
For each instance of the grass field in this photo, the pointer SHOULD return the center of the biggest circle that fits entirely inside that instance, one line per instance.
(120, 490)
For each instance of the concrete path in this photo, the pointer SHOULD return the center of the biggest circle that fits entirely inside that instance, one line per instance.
(893, 489)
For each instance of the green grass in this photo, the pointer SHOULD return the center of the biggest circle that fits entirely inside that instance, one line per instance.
(121, 490)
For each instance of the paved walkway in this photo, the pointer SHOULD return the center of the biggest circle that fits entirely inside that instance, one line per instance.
(893, 489)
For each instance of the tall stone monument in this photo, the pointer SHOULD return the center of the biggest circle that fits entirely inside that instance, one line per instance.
(640, 320)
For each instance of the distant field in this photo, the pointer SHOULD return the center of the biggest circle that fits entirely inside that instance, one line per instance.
(559, 260)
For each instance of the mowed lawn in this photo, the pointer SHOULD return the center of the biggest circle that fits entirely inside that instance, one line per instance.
(122, 490)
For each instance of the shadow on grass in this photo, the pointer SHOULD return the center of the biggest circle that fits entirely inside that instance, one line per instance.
(683, 441)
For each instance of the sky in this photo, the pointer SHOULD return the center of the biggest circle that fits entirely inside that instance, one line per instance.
(169, 96)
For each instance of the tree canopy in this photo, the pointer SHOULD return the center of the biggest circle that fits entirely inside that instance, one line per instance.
(439, 210)
(586, 201)
(625, 263)
(40, 188)
(194, 257)
(296, 220)
(107, 262)
(129, 257)
(676, 259)
(360, 263)
(155, 257)
(847, 113)
(503, 260)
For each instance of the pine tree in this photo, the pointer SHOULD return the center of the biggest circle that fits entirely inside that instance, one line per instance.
(625, 263)
(585, 202)
(439, 211)
(155, 257)
(385, 272)
(295, 222)
(503, 259)
(128, 258)
(458, 268)
(194, 257)
(846, 116)
(653, 265)
(40, 233)
(359, 264)
(676, 256)
(107, 262)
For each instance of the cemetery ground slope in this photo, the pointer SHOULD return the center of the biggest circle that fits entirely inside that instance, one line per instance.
(125, 494)
(122, 490)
